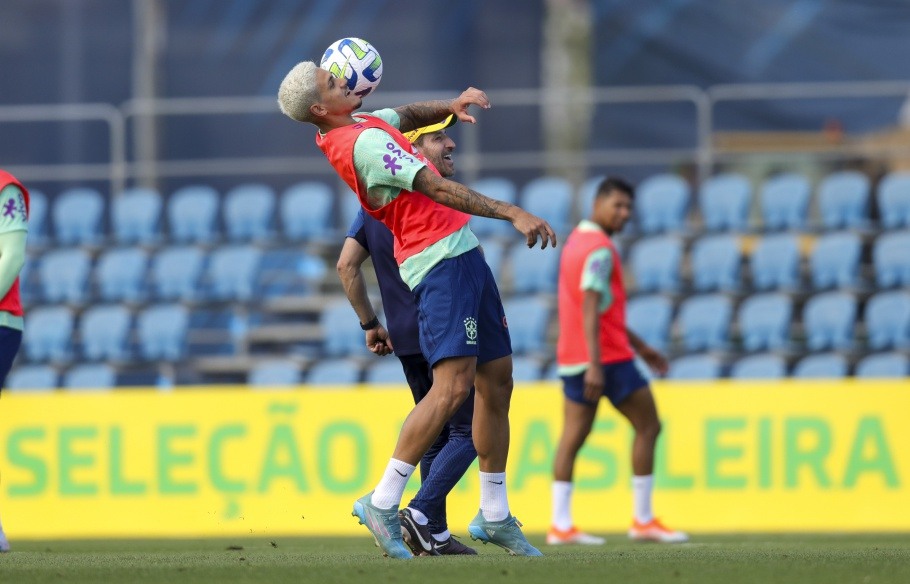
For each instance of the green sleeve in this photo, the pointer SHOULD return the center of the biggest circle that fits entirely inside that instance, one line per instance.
(13, 216)
(596, 275)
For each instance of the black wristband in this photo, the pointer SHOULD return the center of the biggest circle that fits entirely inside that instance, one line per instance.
(370, 325)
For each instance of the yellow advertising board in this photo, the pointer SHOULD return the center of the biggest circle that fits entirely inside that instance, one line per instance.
(787, 456)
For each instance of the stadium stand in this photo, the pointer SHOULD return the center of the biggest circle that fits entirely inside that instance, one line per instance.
(655, 263)
(136, 216)
(824, 365)
(649, 317)
(90, 376)
(232, 272)
(342, 333)
(497, 188)
(525, 368)
(891, 260)
(661, 203)
(724, 201)
(386, 371)
(784, 202)
(161, 331)
(694, 367)
(704, 322)
(764, 321)
(585, 196)
(120, 274)
(77, 216)
(528, 321)
(248, 212)
(274, 372)
(104, 330)
(762, 366)
(306, 211)
(532, 272)
(176, 272)
(64, 275)
(334, 372)
(549, 197)
(894, 365)
(716, 263)
(828, 319)
(775, 263)
(32, 378)
(887, 319)
(47, 336)
(843, 200)
(37, 219)
(191, 213)
(894, 200)
(834, 262)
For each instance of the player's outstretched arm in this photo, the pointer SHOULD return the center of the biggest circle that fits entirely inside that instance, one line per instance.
(457, 196)
(654, 358)
(418, 115)
(351, 274)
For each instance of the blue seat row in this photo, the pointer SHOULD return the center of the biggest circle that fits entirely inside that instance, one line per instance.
(768, 366)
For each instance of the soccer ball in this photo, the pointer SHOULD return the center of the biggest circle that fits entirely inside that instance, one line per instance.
(357, 61)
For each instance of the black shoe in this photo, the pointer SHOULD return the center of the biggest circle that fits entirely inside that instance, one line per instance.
(453, 547)
(417, 536)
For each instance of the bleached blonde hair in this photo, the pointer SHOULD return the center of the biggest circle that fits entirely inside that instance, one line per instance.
(298, 92)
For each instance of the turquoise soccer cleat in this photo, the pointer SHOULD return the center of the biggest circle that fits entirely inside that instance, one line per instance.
(506, 534)
(384, 525)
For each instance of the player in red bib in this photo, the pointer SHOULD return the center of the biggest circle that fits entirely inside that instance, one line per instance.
(595, 359)
(463, 335)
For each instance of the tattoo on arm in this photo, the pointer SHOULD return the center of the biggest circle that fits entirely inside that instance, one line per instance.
(418, 115)
(457, 196)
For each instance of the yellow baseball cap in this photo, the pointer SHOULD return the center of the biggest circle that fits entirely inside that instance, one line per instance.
(414, 134)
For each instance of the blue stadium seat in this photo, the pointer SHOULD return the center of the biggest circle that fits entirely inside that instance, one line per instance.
(724, 202)
(274, 372)
(884, 365)
(550, 198)
(525, 369)
(306, 211)
(77, 216)
(232, 272)
(764, 321)
(894, 200)
(888, 320)
(763, 366)
(585, 195)
(104, 331)
(248, 211)
(64, 275)
(121, 275)
(161, 332)
(704, 322)
(493, 252)
(785, 202)
(499, 188)
(843, 200)
(775, 263)
(136, 216)
(37, 218)
(694, 367)
(528, 321)
(386, 371)
(891, 260)
(834, 262)
(655, 263)
(48, 334)
(191, 214)
(342, 335)
(649, 317)
(289, 272)
(821, 366)
(716, 263)
(176, 271)
(350, 206)
(661, 203)
(31, 378)
(90, 376)
(334, 372)
(828, 319)
(533, 270)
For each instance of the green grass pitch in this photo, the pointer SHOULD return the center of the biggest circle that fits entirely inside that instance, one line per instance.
(721, 559)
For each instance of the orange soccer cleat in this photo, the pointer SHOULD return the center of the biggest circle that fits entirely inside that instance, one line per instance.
(572, 536)
(654, 530)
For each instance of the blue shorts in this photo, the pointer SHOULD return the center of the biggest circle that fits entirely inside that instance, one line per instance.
(621, 380)
(460, 311)
(10, 339)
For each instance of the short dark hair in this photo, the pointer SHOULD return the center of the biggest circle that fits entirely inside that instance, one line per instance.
(612, 183)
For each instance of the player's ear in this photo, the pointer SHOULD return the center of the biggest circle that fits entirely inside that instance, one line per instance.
(318, 110)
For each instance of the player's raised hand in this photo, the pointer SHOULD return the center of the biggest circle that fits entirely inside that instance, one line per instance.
(470, 96)
(534, 227)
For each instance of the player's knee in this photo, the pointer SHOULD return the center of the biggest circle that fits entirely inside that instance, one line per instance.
(651, 429)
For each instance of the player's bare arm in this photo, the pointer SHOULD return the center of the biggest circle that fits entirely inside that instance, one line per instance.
(458, 196)
(349, 271)
(654, 358)
(594, 375)
(418, 115)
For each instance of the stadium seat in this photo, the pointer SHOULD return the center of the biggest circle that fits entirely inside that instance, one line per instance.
(104, 331)
(232, 272)
(525, 369)
(764, 321)
(883, 365)
(289, 272)
(31, 378)
(550, 198)
(493, 252)
(64, 275)
(763, 366)
(704, 322)
(894, 200)
(386, 371)
(785, 202)
(661, 203)
(350, 207)
(533, 270)
(724, 202)
(161, 332)
(306, 211)
(90, 376)
(48, 334)
(887, 320)
(775, 263)
(121, 275)
(891, 260)
(191, 214)
(649, 317)
(828, 320)
(274, 372)
(499, 188)
(585, 195)
(176, 271)
(342, 335)
(528, 321)
(37, 218)
(693, 367)
(843, 200)
(834, 262)
(716, 263)
(136, 216)
(334, 372)
(822, 366)
(248, 210)
(655, 264)
(77, 216)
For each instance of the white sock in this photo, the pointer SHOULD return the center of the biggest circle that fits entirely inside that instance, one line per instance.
(641, 493)
(562, 505)
(494, 504)
(390, 488)
(441, 537)
(418, 516)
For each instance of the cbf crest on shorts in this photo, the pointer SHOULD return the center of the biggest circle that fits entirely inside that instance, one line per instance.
(470, 330)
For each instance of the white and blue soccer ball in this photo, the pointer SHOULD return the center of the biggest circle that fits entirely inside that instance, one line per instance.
(355, 60)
